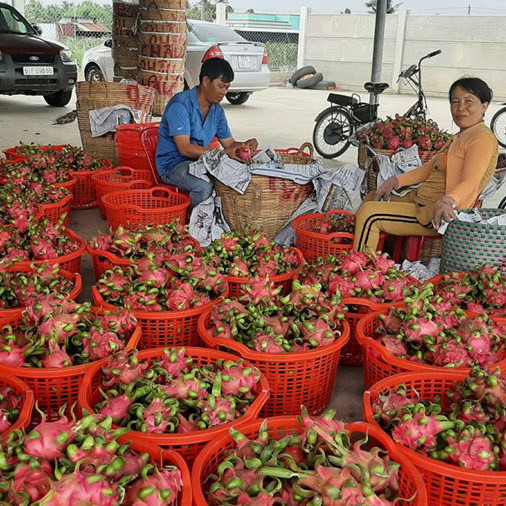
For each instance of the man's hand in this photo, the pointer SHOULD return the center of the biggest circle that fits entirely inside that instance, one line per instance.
(252, 144)
(384, 191)
(231, 152)
(444, 210)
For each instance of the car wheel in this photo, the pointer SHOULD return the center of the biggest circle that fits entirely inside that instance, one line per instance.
(309, 69)
(311, 80)
(237, 98)
(58, 99)
(93, 73)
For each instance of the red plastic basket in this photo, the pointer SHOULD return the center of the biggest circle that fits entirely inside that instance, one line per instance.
(295, 379)
(84, 192)
(155, 206)
(447, 485)
(119, 179)
(129, 146)
(104, 260)
(237, 285)
(12, 153)
(70, 262)
(74, 277)
(410, 480)
(70, 184)
(352, 354)
(55, 387)
(379, 363)
(187, 444)
(314, 244)
(54, 211)
(437, 279)
(27, 403)
(164, 328)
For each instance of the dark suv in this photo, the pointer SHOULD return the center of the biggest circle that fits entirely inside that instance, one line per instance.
(30, 65)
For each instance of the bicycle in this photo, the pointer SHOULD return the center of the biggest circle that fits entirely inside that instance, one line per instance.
(498, 125)
(336, 124)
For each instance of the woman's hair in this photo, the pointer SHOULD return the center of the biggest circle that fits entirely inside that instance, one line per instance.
(474, 85)
(215, 68)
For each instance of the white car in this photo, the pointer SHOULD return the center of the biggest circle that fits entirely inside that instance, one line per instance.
(205, 40)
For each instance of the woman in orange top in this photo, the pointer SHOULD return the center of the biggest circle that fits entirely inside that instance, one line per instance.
(453, 179)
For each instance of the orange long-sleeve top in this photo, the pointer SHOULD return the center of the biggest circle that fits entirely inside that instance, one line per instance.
(471, 159)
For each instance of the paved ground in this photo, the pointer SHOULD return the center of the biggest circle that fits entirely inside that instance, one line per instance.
(280, 117)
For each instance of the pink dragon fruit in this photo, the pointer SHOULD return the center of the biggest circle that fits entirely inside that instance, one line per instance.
(116, 407)
(158, 489)
(174, 361)
(237, 379)
(33, 479)
(55, 356)
(418, 432)
(123, 368)
(472, 451)
(48, 439)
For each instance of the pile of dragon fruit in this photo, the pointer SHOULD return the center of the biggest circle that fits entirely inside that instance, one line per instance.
(16, 211)
(20, 289)
(159, 241)
(370, 275)
(57, 332)
(39, 241)
(70, 462)
(176, 283)
(333, 223)
(10, 407)
(264, 321)
(318, 466)
(429, 331)
(174, 395)
(481, 291)
(466, 428)
(249, 254)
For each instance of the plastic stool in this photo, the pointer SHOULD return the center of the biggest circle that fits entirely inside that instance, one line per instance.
(414, 246)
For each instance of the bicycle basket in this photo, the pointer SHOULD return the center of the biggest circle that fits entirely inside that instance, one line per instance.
(364, 112)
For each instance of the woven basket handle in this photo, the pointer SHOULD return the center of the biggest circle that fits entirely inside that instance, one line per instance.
(310, 148)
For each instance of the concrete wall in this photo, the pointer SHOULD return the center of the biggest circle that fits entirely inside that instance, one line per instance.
(341, 47)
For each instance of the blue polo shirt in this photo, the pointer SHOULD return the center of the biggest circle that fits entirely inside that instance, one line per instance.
(183, 116)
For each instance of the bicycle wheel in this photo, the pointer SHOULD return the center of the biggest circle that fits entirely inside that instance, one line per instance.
(498, 126)
(332, 131)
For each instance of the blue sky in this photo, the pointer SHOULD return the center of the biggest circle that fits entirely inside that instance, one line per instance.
(484, 7)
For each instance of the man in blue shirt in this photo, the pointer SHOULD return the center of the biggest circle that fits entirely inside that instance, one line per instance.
(191, 120)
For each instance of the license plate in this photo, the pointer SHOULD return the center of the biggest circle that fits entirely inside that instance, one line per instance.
(38, 71)
(244, 62)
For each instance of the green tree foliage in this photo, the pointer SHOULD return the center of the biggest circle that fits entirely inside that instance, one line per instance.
(36, 12)
(371, 4)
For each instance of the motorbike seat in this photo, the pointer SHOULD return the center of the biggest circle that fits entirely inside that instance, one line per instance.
(336, 98)
(376, 88)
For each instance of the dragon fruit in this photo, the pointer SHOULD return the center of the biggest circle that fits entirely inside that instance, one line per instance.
(159, 489)
(171, 394)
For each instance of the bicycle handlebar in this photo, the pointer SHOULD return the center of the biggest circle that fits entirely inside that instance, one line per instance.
(434, 53)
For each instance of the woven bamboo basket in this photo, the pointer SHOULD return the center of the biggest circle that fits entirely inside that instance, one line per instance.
(95, 95)
(368, 161)
(162, 45)
(268, 202)
(120, 8)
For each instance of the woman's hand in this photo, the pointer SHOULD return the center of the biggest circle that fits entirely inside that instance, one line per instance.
(384, 191)
(444, 210)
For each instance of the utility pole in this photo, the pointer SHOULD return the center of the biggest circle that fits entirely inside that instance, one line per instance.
(469, 9)
(379, 37)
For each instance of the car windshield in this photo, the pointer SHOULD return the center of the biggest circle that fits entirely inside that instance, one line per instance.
(215, 33)
(12, 22)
